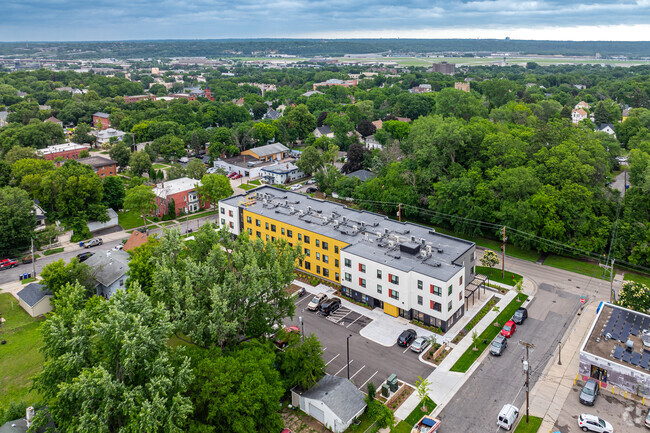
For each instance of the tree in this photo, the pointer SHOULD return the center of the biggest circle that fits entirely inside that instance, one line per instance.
(214, 187)
(141, 270)
(195, 143)
(302, 364)
(490, 259)
(141, 199)
(366, 128)
(82, 134)
(475, 339)
(121, 154)
(84, 154)
(300, 119)
(58, 274)
(114, 192)
(108, 366)
(16, 219)
(237, 392)
(356, 156)
(635, 296)
(371, 391)
(519, 288)
(310, 161)
(601, 115)
(196, 169)
(397, 129)
(140, 162)
(176, 171)
(422, 387)
(19, 152)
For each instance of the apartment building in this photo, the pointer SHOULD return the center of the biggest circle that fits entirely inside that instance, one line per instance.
(406, 269)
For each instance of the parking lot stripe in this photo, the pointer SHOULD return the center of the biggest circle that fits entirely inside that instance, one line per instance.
(407, 348)
(351, 377)
(328, 362)
(364, 383)
(354, 321)
(343, 368)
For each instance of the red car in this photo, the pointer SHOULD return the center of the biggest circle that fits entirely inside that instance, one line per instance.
(8, 263)
(282, 343)
(237, 176)
(508, 329)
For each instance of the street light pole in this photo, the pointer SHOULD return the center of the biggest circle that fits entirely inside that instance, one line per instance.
(302, 326)
(348, 341)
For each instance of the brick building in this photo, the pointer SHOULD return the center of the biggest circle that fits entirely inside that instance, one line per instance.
(65, 151)
(138, 98)
(102, 166)
(462, 85)
(183, 192)
(444, 68)
(101, 120)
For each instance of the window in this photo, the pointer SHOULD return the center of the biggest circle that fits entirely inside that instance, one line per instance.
(435, 306)
(318, 242)
(393, 278)
(336, 276)
(450, 289)
(299, 236)
(435, 290)
(379, 288)
(449, 306)
(473, 256)
(379, 273)
(362, 268)
(267, 237)
(259, 235)
(282, 231)
(393, 294)
(306, 239)
(307, 252)
(325, 246)
(419, 300)
(232, 225)
(250, 232)
(326, 272)
(223, 221)
(230, 213)
(318, 269)
(362, 282)
(326, 259)
(290, 233)
(273, 238)
(307, 265)
(460, 281)
(460, 296)
(336, 263)
(223, 211)
(317, 256)
(348, 277)
(249, 219)
(258, 223)
(272, 227)
(420, 284)
(266, 225)
(121, 283)
(473, 271)
(336, 249)
(348, 263)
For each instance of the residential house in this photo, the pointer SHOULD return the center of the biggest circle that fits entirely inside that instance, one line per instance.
(102, 166)
(378, 124)
(324, 131)
(40, 216)
(422, 88)
(262, 86)
(35, 299)
(104, 136)
(269, 152)
(53, 120)
(336, 82)
(372, 143)
(136, 239)
(312, 92)
(578, 115)
(65, 151)
(582, 104)
(181, 192)
(272, 115)
(239, 102)
(462, 85)
(109, 270)
(281, 173)
(334, 401)
(71, 90)
(625, 114)
(138, 98)
(94, 226)
(608, 128)
(100, 120)
(363, 175)
(3, 118)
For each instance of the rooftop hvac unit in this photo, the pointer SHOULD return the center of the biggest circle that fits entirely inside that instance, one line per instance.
(428, 248)
(645, 337)
(629, 344)
(354, 227)
(440, 250)
(291, 208)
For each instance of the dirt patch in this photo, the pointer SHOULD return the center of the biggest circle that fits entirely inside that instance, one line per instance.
(292, 288)
(299, 422)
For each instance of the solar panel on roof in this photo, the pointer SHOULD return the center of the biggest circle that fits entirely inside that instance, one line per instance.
(618, 352)
(636, 357)
(644, 359)
(626, 356)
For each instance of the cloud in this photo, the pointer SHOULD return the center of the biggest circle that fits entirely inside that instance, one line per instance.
(188, 19)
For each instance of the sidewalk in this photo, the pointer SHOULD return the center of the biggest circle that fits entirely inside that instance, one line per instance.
(553, 387)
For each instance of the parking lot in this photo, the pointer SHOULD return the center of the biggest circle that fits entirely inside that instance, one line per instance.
(369, 361)
(626, 416)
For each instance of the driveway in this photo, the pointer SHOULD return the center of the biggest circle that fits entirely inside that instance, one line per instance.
(500, 380)
(619, 181)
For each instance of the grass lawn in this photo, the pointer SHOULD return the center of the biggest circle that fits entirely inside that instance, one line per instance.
(485, 339)
(52, 251)
(578, 266)
(159, 166)
(129, 220)
(532, 426)
(402, 427)
(495, 275)
(28, 280)
(255, 182)
(20, 358)
(247, 187)
(643, 279)
(417, 413)
(199, 215)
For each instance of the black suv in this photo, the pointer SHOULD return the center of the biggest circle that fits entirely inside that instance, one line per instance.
(406, 338)
(520, 315)
(84, 256)
(329, 306)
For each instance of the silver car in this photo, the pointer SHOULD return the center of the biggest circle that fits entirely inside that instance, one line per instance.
(317, 301)
(420, 344)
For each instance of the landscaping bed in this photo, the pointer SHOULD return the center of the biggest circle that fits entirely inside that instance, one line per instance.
(477, 318)
(53, 251)
(400, 396)
(433, 329)
(494, 274)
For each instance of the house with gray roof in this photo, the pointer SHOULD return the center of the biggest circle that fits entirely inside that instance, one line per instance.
(364, 175)
(281, 173)
(324, 131)
(109, 270)
(334, 401)
(35, 299)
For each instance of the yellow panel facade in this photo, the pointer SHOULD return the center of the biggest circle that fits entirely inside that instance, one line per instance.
(322, 254)
(391, 309)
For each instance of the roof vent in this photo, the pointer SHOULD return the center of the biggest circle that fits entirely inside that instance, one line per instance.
(440, 250)
(629, 344)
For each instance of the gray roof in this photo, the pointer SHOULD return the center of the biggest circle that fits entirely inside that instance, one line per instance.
(101, 114)
(362, 174)
(108, 266)
(96, 161)
(281, 168)
(269, 149)
(370, 235)
(33, 293)
(272, 114)
(325, 129)
(339, 395)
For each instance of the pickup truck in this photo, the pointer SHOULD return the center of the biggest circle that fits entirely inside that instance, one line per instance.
(8, 263)
(427, 424)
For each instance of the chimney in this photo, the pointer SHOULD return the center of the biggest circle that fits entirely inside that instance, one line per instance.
(29, 415)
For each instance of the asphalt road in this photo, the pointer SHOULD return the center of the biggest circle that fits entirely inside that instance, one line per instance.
(500, 380)
(369, 361)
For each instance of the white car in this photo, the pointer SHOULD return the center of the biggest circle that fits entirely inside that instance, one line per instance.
(118, 247)
(311, 181)
(296, 187)
(592, 423)
(420, 344)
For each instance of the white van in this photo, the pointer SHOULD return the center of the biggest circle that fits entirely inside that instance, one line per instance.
(507, 416)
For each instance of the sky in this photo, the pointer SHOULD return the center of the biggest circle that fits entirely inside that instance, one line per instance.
(84, 20)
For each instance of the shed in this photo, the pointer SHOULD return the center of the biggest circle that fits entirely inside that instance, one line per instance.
(364, 175)
(35, 299)
(93, 226)
(334, 401)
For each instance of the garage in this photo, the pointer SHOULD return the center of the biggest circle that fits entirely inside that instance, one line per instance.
(317, 413)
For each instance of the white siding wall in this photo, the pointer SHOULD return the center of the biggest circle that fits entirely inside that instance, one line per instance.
(229, 217)
(330, 420)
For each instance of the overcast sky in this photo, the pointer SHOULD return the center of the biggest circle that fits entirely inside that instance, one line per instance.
(61, 20)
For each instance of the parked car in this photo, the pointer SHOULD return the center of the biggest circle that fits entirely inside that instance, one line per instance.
(508, 329)
(184, 159)
(520, 316)
(647, 419)
(281, 340)
(498, 345)
(28, 259)
(237, 176)
(420, 344)
(118, 247)
(231, 174)
(507, 416)
(93, 243)
(311, 181)
(8, 263)
(84, 256)
(593, 423)
(589, 392)
(295, 187)
(406, 337)
(330, 306)
(315, 303)
(312, 189)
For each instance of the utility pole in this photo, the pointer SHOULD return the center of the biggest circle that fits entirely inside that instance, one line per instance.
(559, 353)
(33, 261)
(610, 268)
(348, 341)
(503, 255)
(399, 212)
(527, 370)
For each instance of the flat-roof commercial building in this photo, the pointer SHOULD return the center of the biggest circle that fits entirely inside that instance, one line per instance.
(406, 269)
